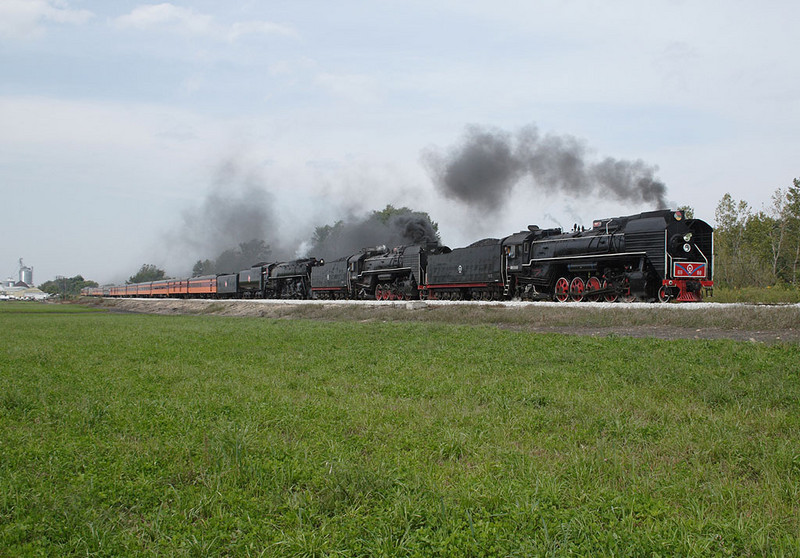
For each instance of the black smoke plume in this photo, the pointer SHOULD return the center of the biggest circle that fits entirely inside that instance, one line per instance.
(489, 163)
(390, 227)
(234, 225)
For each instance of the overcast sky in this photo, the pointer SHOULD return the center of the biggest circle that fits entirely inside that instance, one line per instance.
(123, 123)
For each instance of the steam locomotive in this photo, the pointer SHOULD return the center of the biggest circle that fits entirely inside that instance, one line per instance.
(657, 255)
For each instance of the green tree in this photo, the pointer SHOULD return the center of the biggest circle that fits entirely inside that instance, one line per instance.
(775, 233)
(389, 212)
(323, 233)
(254, 251)
(759, 248)
(66, 286)
(738, 260)
(203, 267)
(228, 262)
(147, 273)
(246, 255)
(687, 210)
(791, 213)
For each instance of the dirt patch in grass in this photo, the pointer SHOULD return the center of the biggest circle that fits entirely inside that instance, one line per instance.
(741, 322)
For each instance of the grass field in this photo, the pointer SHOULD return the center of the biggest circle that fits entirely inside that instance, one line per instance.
(206, 435)
(758, 295)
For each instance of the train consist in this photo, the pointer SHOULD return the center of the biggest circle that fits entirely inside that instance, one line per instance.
(658, 255)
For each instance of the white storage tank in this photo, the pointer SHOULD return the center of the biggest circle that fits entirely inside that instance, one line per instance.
(25, 273)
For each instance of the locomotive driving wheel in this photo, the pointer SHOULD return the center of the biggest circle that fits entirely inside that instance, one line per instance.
(576, 289)
(561, 291)
(593, 284)
(379, 292)
(610, 297)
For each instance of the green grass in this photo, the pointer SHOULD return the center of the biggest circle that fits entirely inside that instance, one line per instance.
(203, 435)
(29, 307)
(758, 295)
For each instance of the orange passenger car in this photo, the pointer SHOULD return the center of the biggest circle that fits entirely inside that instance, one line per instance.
(205, 286)
(179, 287)
(160, 289)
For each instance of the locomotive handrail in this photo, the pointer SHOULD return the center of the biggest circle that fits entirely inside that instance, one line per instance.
(382, 270)
(587, 256)
(705, 259)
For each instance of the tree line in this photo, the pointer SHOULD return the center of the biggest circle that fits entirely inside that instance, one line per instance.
(758, 248)
(66, 286)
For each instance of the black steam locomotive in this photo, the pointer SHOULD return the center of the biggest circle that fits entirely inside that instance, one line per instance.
(269, 280)
(655, 255)
(658, 255)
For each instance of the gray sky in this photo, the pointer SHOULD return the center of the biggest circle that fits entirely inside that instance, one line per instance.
(124, 123)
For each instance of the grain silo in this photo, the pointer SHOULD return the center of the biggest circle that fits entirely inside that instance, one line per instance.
(25, 273)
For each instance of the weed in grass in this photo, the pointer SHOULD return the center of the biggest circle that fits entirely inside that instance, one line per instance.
(213, 308)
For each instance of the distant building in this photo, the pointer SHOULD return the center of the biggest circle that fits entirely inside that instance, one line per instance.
(22, 292)
(25, 274)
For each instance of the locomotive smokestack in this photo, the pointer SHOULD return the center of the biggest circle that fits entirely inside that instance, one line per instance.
(489, 163)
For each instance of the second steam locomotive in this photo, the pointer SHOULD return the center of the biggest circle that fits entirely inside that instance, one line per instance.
(657, 255)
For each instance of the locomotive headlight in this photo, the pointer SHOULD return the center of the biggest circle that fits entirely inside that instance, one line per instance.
(687, 237)
(687, 247)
